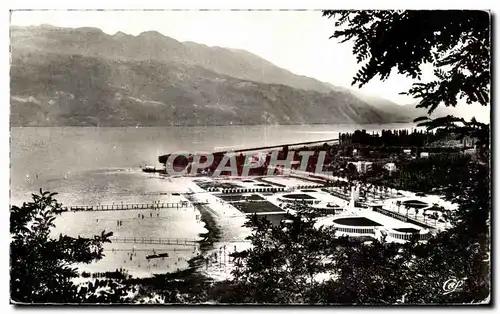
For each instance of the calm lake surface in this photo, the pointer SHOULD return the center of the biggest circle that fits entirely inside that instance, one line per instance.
(102, 165)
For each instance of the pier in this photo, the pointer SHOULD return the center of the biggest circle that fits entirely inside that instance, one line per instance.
(159, 205)
(159, 241)
(164, 241)
(163, 158)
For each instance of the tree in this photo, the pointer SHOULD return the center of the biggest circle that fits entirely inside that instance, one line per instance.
(373, 273)
(284, 260)
(352, 172)
(41, 265)
(456, 43)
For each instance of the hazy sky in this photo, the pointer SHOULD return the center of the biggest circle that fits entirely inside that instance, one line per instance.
(294, 40)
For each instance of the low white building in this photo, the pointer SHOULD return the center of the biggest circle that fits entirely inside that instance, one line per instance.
(424, 155)
(362, 166)
(390, 166)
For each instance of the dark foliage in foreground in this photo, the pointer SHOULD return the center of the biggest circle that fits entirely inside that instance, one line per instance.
(283, 264)
(292, 263)
(41, 265)
(456, 43)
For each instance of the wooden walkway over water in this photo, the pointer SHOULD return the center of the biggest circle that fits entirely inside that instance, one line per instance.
(155, 206)
(159, 241)
(164, 241)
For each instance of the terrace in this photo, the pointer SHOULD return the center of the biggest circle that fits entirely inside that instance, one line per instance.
(299, 196)
(376, 225)
(356, 221)
(329, 202)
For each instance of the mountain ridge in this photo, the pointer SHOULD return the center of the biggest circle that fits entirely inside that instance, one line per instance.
(195, 80)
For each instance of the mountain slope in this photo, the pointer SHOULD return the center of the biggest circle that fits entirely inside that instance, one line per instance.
(153, 45)
(65, 76)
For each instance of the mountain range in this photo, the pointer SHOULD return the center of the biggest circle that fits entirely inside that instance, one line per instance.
(84, 77)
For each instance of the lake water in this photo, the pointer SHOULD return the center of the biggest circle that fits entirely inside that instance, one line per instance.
(89, 165)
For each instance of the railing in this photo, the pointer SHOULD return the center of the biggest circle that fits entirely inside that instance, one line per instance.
(131, 206)
(299, 201)
(160, 241)
(340, 195)
(355, 230)
(309, 186)
(401, 217)
(405, 236)
(252, 190)
(370, 231)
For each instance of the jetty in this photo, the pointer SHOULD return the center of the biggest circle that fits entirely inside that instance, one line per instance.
(163, 158)
(156, 206)
(165, 241)
(159, 241)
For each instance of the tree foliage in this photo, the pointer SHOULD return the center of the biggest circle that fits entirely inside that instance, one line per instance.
(286, 261)
(42, 266)
(456, 43)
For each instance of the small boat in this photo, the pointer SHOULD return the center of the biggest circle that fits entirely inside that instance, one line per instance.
(157, 255)
(149, 169)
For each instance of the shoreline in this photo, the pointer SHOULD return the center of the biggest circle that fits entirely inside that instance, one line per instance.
(213, 229)
(191, 277)
(201, 125)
